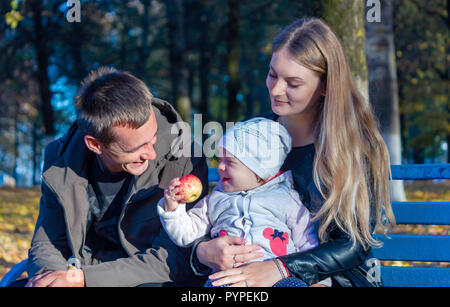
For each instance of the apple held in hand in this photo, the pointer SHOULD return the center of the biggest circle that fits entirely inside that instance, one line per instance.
(190, 188)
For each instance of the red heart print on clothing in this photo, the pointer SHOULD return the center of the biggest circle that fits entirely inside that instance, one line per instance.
(278, 240)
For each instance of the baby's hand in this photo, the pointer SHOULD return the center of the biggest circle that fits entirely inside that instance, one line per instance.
(171, 199)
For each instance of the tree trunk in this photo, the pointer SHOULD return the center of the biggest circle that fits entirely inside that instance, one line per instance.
(178, 72)
(144, 49)
(36, 148)
(204, 66)
(448, 148)
(250, 102)
(42, 53)
(384, 87)
(346, 18)
(79, 66)
(16, 143)
(124, 37)
(233, 58)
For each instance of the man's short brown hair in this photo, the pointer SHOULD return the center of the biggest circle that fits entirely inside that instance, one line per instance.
(109, 97)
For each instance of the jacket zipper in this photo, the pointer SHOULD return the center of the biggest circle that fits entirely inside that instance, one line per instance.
(122, 214)
(65, 217)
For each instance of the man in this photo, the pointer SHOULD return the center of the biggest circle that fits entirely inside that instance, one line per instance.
(100, 185)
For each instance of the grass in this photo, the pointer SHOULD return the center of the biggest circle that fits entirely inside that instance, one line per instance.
(18, 214)
(19, 210)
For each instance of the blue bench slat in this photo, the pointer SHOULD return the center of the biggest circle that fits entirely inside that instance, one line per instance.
(392, 276)
(426, 213)
(405, 172)
(15, 272)
(421, 171)
(213, 175)
(434, 248)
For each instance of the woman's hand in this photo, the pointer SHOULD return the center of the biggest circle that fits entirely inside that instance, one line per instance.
(225, 252)
(319, 286)
(255, 274)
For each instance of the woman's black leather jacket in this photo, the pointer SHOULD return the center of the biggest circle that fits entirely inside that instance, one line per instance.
(337, 258)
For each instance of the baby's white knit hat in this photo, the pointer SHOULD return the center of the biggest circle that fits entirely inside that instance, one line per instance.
(260, 144)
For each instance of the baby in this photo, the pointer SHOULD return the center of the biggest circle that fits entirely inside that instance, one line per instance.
(253, 199)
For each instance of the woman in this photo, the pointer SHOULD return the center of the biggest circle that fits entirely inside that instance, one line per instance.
(339, 160)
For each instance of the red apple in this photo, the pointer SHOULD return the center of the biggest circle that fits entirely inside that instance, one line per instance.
(190, 188)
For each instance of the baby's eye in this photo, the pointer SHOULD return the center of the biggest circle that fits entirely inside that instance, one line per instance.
(233, 160)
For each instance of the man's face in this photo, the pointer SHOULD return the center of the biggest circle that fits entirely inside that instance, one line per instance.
(131, 148)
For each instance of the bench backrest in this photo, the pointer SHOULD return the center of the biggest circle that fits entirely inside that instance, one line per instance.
(416, 247)
(412, 247)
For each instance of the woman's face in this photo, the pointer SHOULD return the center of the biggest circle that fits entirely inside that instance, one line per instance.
(294, 89)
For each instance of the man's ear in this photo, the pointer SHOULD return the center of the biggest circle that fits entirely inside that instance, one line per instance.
(93, 144)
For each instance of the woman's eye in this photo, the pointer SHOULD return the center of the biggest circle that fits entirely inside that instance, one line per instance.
(293, 85)
(272, 75)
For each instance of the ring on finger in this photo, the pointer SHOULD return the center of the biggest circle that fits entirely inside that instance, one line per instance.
(234, 261)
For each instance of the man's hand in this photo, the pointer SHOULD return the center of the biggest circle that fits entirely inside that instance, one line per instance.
(69, 278)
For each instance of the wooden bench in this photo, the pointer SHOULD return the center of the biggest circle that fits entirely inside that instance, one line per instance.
(427, 248)
(411, 247)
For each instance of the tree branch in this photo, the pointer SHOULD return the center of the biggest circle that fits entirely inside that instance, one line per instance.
(427, 10)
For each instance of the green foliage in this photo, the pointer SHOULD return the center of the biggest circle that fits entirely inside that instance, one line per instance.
(13, 17)
(134, 36)
(421, 39)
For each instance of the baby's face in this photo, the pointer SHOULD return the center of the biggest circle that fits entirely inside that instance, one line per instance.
(235, 176)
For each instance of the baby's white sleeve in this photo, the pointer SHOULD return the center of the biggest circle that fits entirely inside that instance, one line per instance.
(298, 219)
(184, 227)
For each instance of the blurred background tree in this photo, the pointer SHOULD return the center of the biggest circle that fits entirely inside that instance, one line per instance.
(421, 32)
(204, 56)
(383, 86)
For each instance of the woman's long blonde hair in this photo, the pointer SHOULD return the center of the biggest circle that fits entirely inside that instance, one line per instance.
(351, 165)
